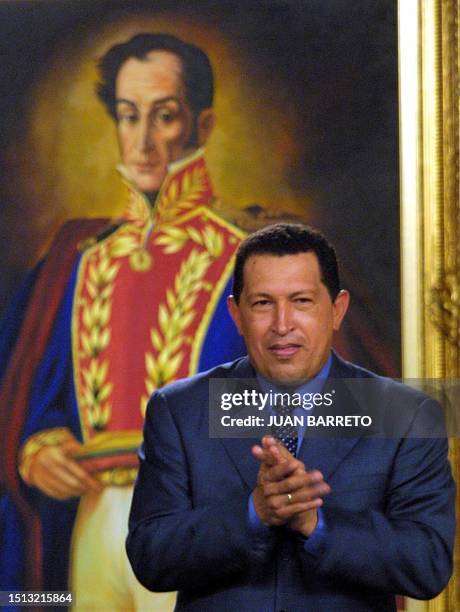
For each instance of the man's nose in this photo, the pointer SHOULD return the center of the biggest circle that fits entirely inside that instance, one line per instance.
(283, 321)
(145, 138)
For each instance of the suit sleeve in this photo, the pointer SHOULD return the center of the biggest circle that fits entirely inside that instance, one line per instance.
(171, 544)
(406, 547)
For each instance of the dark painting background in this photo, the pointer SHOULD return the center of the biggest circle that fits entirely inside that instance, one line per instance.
(328, 66)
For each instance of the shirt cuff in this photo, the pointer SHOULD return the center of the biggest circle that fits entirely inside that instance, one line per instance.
(255, 524)
(313, 543)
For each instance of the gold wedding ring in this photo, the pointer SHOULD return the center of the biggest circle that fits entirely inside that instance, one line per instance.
(289, 495)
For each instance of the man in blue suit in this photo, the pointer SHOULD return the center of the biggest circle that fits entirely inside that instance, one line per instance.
(309, 523)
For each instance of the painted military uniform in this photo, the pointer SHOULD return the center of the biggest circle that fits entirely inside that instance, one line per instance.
(144, 304)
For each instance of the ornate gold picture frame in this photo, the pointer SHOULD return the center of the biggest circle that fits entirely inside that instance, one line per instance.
(430, 208)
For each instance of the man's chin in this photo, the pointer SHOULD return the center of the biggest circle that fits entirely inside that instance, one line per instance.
(147, 184)
(148, 188)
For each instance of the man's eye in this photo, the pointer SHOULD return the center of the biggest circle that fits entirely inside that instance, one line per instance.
(303, 300)
(261, 303)
(165, 116)
(127, 117)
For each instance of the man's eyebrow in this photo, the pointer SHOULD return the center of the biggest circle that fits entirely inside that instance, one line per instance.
(124, 101)
(253, 296)
(158, 102)
(306, 291)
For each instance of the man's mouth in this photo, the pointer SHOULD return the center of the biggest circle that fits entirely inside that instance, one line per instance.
(284, 351)
(144, 167)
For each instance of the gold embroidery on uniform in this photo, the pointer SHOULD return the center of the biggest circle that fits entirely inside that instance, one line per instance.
(175, 238)
(180, 195)
(177, 314)
(173, 319)
(139, 210)
(128, 239)
(178, 198)
(117, 477)
(96, 312)
(96, 337)
(96, 393)
(130, 243)
(47, 437)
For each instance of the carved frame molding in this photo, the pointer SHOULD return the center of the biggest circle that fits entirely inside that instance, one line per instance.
(430, 208)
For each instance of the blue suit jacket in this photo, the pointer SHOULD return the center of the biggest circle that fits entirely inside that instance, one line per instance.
(389, 520)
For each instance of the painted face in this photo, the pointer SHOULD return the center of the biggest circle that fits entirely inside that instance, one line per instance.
(286, 316)
(154, 121)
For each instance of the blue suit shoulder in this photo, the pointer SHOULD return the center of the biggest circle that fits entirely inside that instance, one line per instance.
(407, 411)
(346, 369)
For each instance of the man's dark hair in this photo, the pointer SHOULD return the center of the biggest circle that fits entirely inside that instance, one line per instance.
(288, 239)
(196, 68)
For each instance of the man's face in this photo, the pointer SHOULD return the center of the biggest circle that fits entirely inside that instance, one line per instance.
(154, 121)
(286, 316)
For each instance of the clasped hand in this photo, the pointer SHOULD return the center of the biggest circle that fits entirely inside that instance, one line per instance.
(286, 493)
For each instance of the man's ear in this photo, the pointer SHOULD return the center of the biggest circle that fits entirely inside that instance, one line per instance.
(340, 307)
(234, 311)
(205, 124)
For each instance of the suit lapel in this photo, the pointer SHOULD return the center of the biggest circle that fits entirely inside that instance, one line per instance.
(239, 449)
(327, 453)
